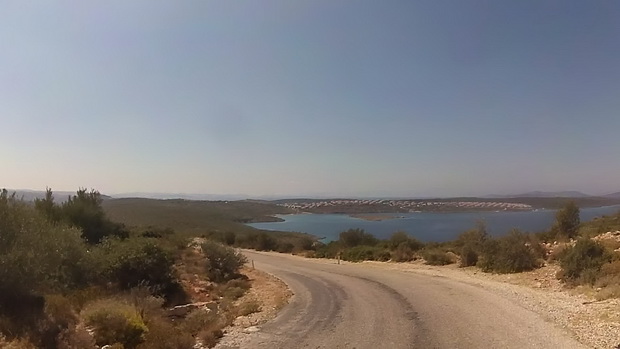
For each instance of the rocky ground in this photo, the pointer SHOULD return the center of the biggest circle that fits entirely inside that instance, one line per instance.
(270, 293)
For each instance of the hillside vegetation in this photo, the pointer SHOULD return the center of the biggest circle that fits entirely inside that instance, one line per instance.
(74, 278)
(217, 220)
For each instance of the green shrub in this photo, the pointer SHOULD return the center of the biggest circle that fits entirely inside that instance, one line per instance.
(567, 221)
(223, 262)
(436, 257)
(356, 237)
(115, 322)
(513, 253)
(36, 256)
(138, 262)
(329, 250)
(582, 262)
(470, 244)
(365, 253)
(235, 289)
(401, 240)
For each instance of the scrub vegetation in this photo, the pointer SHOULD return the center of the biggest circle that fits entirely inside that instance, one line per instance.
(141, 273)
(72, 277)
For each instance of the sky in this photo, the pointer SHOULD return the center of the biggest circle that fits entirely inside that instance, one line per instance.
(310, 98)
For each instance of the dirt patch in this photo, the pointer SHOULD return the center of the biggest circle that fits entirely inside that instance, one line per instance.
(268, 294)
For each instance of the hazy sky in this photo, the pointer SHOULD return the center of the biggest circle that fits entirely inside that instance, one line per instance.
(365, 98)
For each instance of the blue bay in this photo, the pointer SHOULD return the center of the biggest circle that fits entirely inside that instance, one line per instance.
(425, 226)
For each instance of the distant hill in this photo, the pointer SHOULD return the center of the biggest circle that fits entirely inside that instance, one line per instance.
(31, 195)
(545, 194)
(613, 195)
(184, 196)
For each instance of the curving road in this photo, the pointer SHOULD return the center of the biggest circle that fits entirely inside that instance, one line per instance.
(356, 306)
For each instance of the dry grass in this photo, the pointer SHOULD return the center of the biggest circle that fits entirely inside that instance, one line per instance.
(248, 307)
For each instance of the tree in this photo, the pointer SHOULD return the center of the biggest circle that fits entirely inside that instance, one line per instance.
(35, 255)
(84, 211)
(48, 207)
(567, 221)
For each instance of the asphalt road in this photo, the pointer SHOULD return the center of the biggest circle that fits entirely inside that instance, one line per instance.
(356, 306)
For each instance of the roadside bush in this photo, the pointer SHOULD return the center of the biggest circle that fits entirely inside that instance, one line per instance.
(329, 250)
(138, 262)
(249, 307)
(469, 244)
(509, 254)
(234, 289)
(400, 239)
(609, 280)
(436, 257)
(115, 322)
(403, 253)
(356, 237)
(163, 334)
(469, 256)
(582, 262)
(365, 253)
(223, 262)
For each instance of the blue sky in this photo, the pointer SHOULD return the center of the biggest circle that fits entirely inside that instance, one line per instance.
(330, 98)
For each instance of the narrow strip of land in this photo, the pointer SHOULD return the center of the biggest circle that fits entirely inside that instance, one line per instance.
(355, 306)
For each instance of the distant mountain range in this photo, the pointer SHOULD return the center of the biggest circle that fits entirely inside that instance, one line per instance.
(61, 196)
(545, 194)
(613, 195)
(31, 195)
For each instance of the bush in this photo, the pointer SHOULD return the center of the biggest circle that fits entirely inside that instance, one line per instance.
(356, 237)
(403, 253)
(138, 262)
(401, 239)
(164, 335)
(235, 289)
(75, 337)
(365, 253)
(223, 262)
(436, 257)
(469, 256)
(582, 262)
(470, 244)
(15, 344)
(115, 322)
(567, 221)
(513, 253)
(249, 307)
(36, 256)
